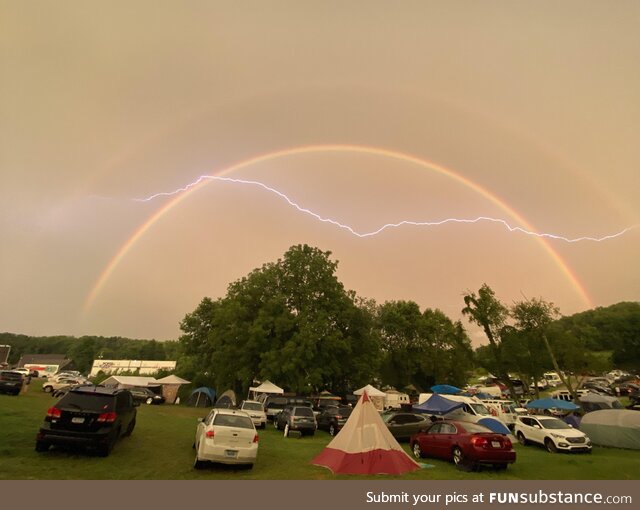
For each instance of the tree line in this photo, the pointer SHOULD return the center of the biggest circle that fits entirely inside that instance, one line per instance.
(293, 322)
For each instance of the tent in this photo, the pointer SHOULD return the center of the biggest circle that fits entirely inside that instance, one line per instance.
(437, 405)
(173, 379)
(619, 428)
(594, 402)
(445, 389)
(266, 387)
(376, 396)
(202, 397)
(227, 400)
(364, 446)
(170, 386)
(127, 381)
(551, 403)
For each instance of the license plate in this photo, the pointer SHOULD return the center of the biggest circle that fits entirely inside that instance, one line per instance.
(231, 453)
(495, 444)
(77, 420)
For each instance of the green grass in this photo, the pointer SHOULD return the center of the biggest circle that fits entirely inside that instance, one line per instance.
(160, 449)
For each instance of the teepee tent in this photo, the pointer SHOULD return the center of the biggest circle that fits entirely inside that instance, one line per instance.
(364, 446)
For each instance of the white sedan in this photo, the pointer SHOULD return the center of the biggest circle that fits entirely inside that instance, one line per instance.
(226, 436)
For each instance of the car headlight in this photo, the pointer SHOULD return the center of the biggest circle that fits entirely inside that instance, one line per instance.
(557, 436)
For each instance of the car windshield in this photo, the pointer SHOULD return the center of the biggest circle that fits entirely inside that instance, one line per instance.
(233, 420)
(303, 411)
(88, 401)
(554, 424)
(479, 409)
(252, 406)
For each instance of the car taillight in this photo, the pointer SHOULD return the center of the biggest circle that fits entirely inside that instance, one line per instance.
(210, 434)
(507, 443)
(255, 438)
(479, 441)
(54, 412)
(107, 417)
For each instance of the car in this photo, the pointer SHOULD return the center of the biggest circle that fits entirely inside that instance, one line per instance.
(333, 418)
(26, 373)
(554, 434)
(94, 417)
(145, 395)
(11, 382)
(403, 425)
(300, 418)
(464, 443)
(225, 436)
(273, 405)
(599, 388)
(255, 411)
(60, 384)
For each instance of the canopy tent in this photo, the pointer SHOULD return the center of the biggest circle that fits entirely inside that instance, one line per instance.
(437, 405)
(364, 446)
(618, 428)
(127, 381)
(376, 396)
(445, 389)
(267, 388)
(494, 425)
(173, 379)
(551, 403)
(202, 397)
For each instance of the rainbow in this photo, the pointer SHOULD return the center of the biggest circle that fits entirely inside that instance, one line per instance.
(337, 148)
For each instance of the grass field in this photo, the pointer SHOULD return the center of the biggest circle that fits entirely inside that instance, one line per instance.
(160, 449)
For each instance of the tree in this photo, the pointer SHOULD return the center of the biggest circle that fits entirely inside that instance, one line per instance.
(491, 315)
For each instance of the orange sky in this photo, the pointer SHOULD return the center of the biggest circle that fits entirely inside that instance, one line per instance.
(537, 104)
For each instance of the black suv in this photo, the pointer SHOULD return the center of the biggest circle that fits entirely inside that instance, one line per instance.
(10, 382)
(333, 418)
(92, 416)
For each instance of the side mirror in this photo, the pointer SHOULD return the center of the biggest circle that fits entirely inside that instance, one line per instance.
(200, 420)
(536, 426)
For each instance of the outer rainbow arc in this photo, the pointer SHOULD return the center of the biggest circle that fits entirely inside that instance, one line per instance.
(423, 163)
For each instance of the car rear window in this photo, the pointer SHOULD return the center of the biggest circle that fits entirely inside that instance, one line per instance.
(345, 411)
(252, 406)
(11, 376)
(233, 420)
(87, 401)
(303, 411)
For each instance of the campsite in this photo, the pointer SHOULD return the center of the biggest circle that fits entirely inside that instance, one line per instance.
(160, 448)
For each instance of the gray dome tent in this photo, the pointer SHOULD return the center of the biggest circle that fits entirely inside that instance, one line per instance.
(202, 397)
(619, 428)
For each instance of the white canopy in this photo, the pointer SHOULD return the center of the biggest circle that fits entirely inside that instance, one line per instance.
(371, 391)
(267, 387)
(130, 380)
(173, 379)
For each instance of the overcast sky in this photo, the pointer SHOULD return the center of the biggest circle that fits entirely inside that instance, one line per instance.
(372, 112)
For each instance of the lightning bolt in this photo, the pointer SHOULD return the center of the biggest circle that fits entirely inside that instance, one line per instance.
(379, 230)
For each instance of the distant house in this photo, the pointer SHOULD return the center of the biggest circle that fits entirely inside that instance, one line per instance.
(141, 367)
(45, 364)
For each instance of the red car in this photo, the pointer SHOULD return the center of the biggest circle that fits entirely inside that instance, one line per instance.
(467, 444)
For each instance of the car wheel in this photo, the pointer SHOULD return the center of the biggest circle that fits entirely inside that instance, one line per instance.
(149, 401)
(286, 430)
(550, 445)
(417, 451)
(458, 457)
(197, 463)
(42, 446)
(522, 440)
(47, 389)
(332, 430)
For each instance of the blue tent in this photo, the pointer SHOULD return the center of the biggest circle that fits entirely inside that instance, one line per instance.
(202, 397)
(445, 389)
(437, 405)
(551, 403)
(494, 425)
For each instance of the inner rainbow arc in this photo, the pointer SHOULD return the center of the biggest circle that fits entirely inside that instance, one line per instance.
(362, 149)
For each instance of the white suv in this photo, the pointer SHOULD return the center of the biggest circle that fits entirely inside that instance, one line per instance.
(256, 412)
(551, 432)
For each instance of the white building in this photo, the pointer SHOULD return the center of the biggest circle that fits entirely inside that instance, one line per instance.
(118, 366)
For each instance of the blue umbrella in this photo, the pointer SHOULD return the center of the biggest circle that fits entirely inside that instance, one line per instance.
(437, 405)
(551, 403)
(494, 425)
(445, 389)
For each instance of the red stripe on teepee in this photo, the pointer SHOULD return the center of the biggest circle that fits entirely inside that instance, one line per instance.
(374, 462)
(365, 397)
